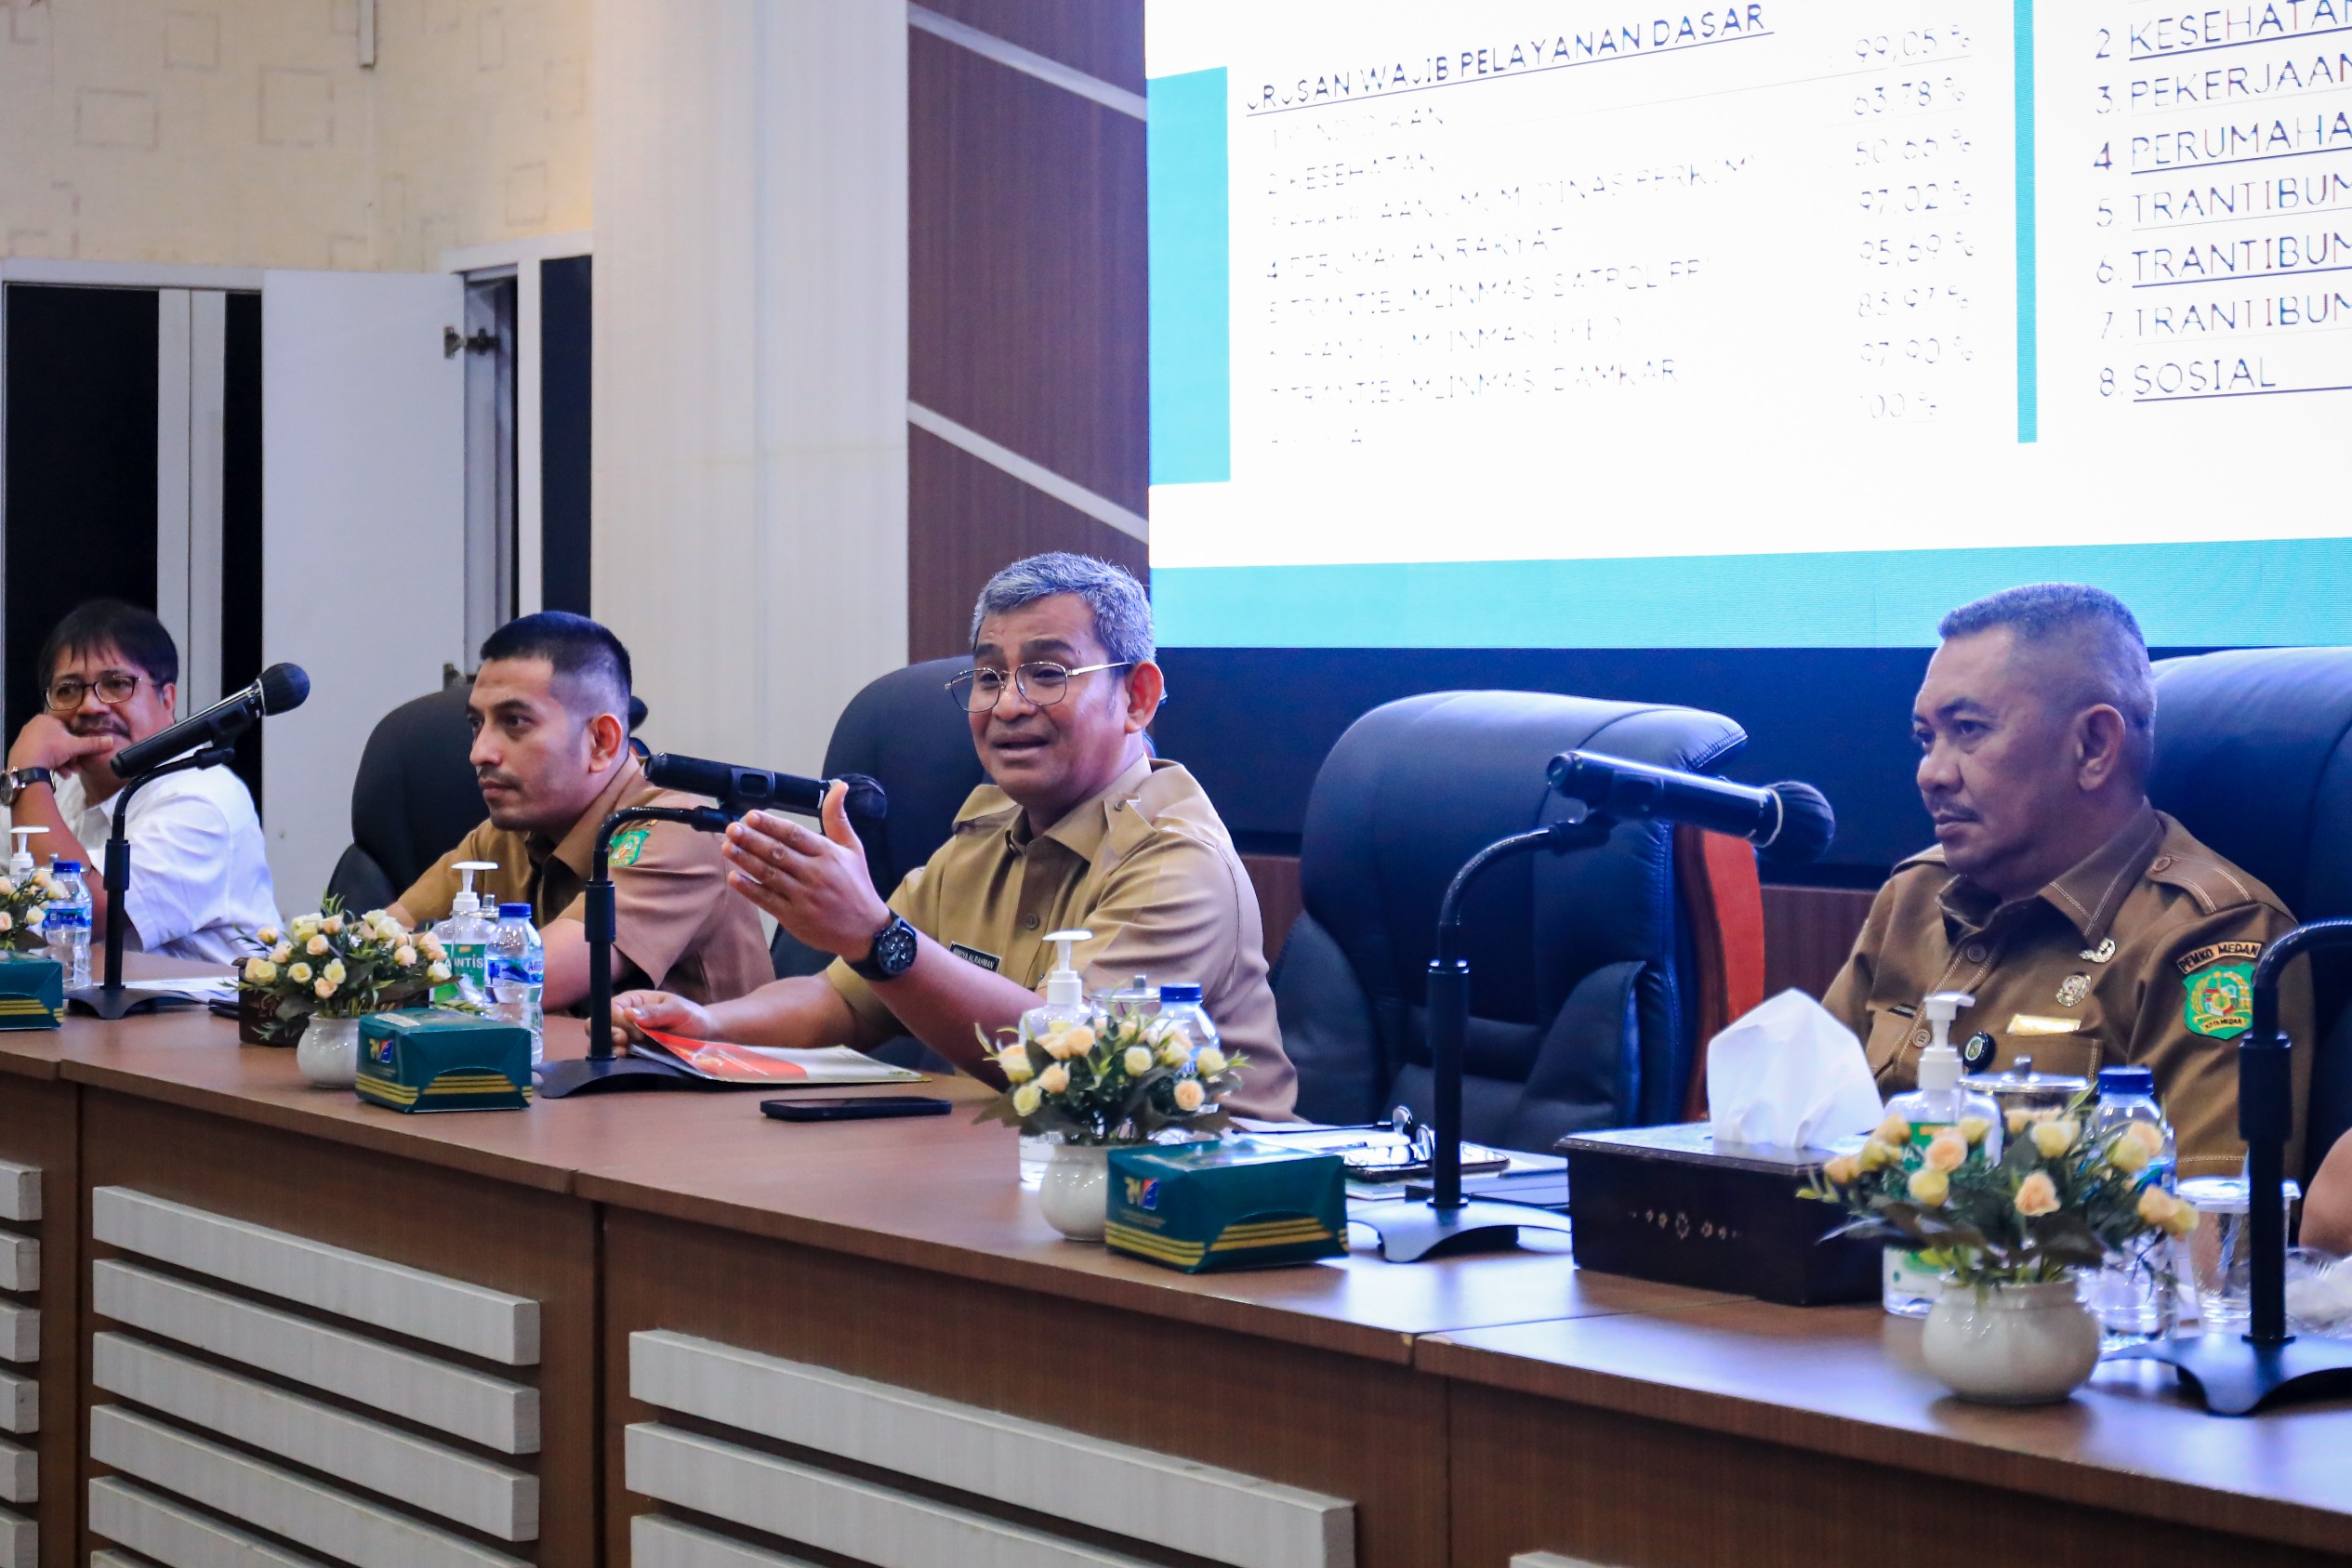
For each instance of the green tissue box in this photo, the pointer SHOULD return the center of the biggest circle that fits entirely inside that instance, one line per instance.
(31, 991)
(432, 1059)
(1237, 1203)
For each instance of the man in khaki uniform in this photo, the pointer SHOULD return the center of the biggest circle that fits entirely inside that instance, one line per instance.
(2091, 929)
(552, 750)
(1081, 828)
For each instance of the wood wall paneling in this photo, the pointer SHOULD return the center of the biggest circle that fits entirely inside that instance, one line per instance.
(1103, 38)
(1808, 933)
(39, 1127)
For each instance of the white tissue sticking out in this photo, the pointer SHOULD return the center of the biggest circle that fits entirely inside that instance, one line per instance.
(1791, 1075)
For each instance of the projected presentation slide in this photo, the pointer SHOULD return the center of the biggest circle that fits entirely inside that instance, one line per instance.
(1599, 323)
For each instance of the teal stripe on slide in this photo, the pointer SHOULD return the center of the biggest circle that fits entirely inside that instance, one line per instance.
(1190, 310)
(2028, 330)
(2293, 592)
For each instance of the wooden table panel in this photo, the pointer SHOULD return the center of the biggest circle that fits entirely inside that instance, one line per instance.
(40, 1127)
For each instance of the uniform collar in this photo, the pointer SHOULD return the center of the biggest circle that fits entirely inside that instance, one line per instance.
(2087, 894)
(1082, 827)
(578, 848)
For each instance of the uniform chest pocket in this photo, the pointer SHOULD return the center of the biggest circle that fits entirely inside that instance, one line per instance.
(1890, 1035)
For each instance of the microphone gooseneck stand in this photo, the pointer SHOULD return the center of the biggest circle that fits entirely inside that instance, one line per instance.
(604, 1070)
(2239, 1373)
(109, 999)
(1411, 1230)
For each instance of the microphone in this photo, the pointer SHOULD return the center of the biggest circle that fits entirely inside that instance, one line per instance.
(743, 789)
(1790, 823)
(279, 689)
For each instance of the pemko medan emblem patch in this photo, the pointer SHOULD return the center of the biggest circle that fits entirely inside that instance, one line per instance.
(2220, 1001)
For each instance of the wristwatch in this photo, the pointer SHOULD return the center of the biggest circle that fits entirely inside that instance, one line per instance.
(15, 784)
(893, 954)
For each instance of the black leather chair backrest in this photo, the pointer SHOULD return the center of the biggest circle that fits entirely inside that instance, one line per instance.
(1582, 989)
(414, 798)
(2254, 754)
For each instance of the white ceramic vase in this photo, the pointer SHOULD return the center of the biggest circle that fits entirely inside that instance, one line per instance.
(1075, 1195)
(329, 1054)
(2010, 1344)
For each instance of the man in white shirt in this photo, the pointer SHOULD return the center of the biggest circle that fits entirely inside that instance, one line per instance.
(200, 882)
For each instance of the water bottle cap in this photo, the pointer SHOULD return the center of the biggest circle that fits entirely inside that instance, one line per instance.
(515, 911)
(67, 869)
(1181, 991)
(2126, 1080)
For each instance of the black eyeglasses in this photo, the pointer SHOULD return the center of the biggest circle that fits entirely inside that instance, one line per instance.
(1042, 683)
(114, 687)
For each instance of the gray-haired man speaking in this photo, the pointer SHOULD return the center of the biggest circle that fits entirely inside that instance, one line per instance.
(1081, 827)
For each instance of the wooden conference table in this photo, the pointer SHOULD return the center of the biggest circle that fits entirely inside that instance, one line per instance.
(277, 1326)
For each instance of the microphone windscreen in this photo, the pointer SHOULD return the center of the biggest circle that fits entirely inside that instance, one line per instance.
(283, 687)
(1806, 826)
(866, 802)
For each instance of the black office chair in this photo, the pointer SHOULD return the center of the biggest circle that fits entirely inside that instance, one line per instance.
(414, 798)
(2254, 754)
(1584, 1003)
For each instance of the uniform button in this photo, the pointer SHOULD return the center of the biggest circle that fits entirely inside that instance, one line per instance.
(2161, 863)
(1975, 951)
(1029, 923)
(1921, 1036)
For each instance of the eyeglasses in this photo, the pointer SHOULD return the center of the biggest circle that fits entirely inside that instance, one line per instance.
(1042, 684)
(114, 687)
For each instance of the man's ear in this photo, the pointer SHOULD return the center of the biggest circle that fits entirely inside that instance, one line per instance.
(608, 738)
(2100, 735)
(1146, 687)
(168, 694)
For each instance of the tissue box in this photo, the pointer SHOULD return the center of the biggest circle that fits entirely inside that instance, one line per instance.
(1664, 1204)
(31, 991)
(432, 1059)
(1236, 1203)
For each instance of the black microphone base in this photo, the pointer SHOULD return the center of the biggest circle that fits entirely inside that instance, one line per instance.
(112, 1001)
(1413, 1231)
(2237, 1376)
(612, 1075)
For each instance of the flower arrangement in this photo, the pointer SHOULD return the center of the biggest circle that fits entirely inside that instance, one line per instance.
(1112, 1080)
(23, 907)
(334, 965)
(2058, 1199)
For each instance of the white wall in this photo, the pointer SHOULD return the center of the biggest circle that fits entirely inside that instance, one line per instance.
(751, 458)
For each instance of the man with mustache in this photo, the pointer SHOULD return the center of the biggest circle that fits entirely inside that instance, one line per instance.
(2091, 929)
(200, 880)
(549, 715)
(1081, 828)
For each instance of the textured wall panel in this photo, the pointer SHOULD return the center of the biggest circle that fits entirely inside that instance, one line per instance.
(658, 1542)
(19, 1474)
(487, 1410)
(457, 1486)
(872, 1524)
(177, 1538)
(20, 1191)
(19, 1405)
(445, 1312)
(1209, 1512)
(300, 1509)
(20, 1333)
(20, 1541)
(19, 1262)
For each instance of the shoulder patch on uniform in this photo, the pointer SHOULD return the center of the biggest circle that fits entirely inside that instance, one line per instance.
(2213, 952)
(2213, 884)
(2219, 1001)
(629, 844)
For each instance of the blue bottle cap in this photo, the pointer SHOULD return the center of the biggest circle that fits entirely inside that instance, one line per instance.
(2126, 1080)
(515, 911)
(62, 868)
(1181, 991)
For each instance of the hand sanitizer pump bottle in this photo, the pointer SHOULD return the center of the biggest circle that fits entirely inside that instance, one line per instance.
(1064, 1003)
(465, 937)
(1911, 1282)
(20, 863)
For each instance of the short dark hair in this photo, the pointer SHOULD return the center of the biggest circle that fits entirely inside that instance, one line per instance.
(2110, 663)
(1122, 609)
(582, 652)
(101, 624)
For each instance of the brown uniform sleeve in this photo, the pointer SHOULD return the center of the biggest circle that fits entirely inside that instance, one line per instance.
(2197, 1073)
(1848, 998)
(663, 899)
(430, 897)
(876, 1022)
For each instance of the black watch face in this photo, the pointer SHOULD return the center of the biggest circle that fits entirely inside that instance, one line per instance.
(895, 949)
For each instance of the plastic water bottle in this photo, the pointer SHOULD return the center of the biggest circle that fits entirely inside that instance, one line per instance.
(518, 973)
(1180, 1002)
(67, 922)
(2130, 1302)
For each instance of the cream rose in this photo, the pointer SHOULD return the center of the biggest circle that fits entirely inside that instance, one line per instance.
(1081, 1039)
(267, 936)
(2052, 1138)
(7, 921)
(8, 886)
(1026, 1099)
(1876, 1154)
(317, 946)
(335, 972)
(299, 974)
(2128, 1155)
(2145, 1136)
(1016, 1065)
(1946, 1150)
(1840, 1171)
(437, 972)
(1211, 1061)
(1894, 1130)
(331, 925)
(1929, 1186)
(280, 953)
(405, 956)
(1137, 1060)
(1054, 1079)
(2037, 1195)
(1974, 1129)
(1172, 1053)
(2015, 1121)
(261, 971)
(1189, 1094)
(324, 988)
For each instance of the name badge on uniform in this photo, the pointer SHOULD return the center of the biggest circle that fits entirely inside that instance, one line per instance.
(988, 961)
(2030, 1024)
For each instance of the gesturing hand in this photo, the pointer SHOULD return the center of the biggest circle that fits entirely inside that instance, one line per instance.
(44, 742)
(816, 885)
